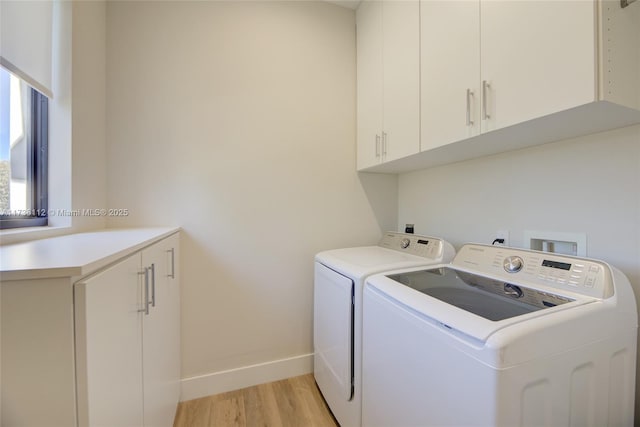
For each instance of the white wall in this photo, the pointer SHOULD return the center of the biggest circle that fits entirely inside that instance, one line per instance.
(236, 121)
(585, 185)
(89, 168)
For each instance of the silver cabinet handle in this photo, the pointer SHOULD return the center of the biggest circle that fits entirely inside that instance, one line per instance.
(485, 85)
(145, 310)
(173, 262)
(377, 145)
(469, 96)
(153, 285)
(384, 143)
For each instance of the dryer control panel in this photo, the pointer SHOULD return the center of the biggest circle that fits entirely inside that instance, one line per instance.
(414, 244)
(578, 275)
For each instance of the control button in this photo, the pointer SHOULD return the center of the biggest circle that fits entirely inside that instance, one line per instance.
(594, 269)
(404, 243)
(512, 264)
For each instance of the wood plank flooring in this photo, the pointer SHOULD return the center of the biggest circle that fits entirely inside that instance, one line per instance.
(294, 402)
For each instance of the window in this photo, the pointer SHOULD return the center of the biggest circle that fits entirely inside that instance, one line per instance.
(24, 130)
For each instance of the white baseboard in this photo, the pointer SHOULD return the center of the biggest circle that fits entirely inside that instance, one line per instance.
(246, 376)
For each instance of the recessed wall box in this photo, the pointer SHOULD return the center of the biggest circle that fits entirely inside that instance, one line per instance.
(556, 242)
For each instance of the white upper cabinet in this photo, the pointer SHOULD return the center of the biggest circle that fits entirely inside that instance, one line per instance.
(388, 66)
(450, 71)
(369, 83)
(500, 75)
(401, 78)
(537, 58)
(487, 65)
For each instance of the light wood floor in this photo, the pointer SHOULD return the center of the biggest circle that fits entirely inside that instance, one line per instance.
(294, 402)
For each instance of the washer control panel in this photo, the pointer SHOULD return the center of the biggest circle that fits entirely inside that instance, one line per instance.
(522, 293)
(414, 244)
(578, 275)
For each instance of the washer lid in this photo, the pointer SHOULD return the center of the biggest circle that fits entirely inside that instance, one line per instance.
(394, 251)
(474, 305)
(482, 296)
(365, 260)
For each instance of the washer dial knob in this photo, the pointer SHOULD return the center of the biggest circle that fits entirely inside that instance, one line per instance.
(512, 264)
(404, 243)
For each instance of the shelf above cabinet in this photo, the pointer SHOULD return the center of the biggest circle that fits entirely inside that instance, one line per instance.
(583, 120)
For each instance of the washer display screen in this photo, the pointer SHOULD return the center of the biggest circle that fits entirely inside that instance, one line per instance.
(556, 264)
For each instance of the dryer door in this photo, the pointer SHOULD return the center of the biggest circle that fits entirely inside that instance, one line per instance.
(333, 332)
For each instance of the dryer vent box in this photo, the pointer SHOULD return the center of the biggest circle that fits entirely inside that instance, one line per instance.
(557, 242)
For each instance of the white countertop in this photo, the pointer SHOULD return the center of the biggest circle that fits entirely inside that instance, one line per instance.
(74, 254)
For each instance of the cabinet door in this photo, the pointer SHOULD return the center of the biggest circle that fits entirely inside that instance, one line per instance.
(538, 58)
(109, 346)
(450, 66)
(161, 334)
(369, 83)
(401, 76)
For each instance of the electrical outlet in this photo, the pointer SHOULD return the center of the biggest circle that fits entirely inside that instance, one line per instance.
(503, 234)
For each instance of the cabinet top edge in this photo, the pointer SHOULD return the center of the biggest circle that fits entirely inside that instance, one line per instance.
(75, 255)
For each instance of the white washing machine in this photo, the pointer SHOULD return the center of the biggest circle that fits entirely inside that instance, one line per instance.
(500, 337)
(339, 278)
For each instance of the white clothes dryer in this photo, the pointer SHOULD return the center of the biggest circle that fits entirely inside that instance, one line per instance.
(500, 337)
(339, 278)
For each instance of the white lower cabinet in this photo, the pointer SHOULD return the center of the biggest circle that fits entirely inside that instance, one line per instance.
(128, 340)
(161, 335)
(109, 347)
(90, 331)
